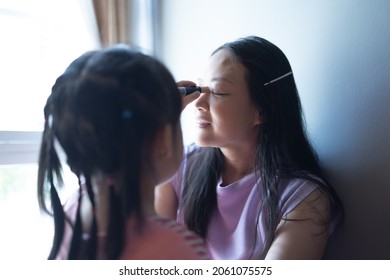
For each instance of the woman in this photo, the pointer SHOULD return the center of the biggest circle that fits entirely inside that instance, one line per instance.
(252, 186)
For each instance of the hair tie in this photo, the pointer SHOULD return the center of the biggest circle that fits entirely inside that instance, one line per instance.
(127, 114)
(50, 121)
(111, 181)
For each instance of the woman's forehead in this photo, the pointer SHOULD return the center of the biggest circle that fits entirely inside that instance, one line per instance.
(223, 67)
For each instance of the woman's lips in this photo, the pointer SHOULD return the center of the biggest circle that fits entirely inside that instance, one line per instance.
(202, 123)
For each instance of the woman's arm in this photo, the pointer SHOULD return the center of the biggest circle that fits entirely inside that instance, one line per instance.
(306, 238)
(165, 201)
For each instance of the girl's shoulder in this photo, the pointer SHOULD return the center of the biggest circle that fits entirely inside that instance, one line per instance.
(164, 239)
(183, 234)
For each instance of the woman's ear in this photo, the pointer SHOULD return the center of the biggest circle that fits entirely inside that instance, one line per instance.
(259, 117)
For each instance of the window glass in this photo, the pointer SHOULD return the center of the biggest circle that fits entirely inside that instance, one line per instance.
(26, 233)
(38, 40)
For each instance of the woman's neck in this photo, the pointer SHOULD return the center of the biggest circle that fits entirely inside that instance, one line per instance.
(238, 162)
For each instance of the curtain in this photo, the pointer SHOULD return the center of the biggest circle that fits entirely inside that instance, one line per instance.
(133, 22)
(113, 21)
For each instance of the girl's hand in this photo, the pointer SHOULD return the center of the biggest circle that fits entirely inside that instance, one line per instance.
(188, 98)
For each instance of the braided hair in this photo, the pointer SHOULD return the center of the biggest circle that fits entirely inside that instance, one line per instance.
(103, 111)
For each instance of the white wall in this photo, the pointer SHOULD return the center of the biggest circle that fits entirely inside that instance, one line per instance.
(340, 54)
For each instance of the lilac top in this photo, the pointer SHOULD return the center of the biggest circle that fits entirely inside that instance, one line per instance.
(232, 232)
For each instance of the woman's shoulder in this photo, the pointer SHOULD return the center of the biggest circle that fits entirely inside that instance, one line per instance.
(192, 149)
(290, 185)
(293, 191)
(299, 189)
(188, 152)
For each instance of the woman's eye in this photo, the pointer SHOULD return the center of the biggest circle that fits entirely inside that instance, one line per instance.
(218, 93)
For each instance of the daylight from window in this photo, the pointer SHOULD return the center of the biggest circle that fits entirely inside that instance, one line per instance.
(38, 40)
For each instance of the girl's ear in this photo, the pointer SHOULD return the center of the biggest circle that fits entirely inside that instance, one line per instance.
(163, 143)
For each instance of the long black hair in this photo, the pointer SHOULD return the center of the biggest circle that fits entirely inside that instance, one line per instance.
(282, 146)
(104, 111)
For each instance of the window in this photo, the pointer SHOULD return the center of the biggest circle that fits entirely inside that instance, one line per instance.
(38, 40)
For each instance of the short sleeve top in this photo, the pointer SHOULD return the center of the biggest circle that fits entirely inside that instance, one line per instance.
(237, 228)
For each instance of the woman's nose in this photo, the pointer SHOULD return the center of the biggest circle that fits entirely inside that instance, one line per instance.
(202, 102)
(206, 90)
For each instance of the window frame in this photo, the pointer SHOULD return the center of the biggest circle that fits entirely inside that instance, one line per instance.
(19, 147)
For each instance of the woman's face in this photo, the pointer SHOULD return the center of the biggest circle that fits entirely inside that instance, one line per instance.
(226, 117)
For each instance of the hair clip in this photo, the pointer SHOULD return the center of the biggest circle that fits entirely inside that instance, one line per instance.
(127, 114)
(278, 78)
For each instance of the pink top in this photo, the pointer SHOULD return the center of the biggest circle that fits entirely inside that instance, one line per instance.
(232, 232)
(160, 239)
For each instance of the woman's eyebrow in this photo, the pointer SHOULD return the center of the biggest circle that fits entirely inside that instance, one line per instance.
(218, 79)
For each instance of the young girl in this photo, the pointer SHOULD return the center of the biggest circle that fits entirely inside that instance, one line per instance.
(115, 114)
(252, 186)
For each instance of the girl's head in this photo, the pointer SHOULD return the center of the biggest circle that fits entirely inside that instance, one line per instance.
(110, 102)
(115, 113)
